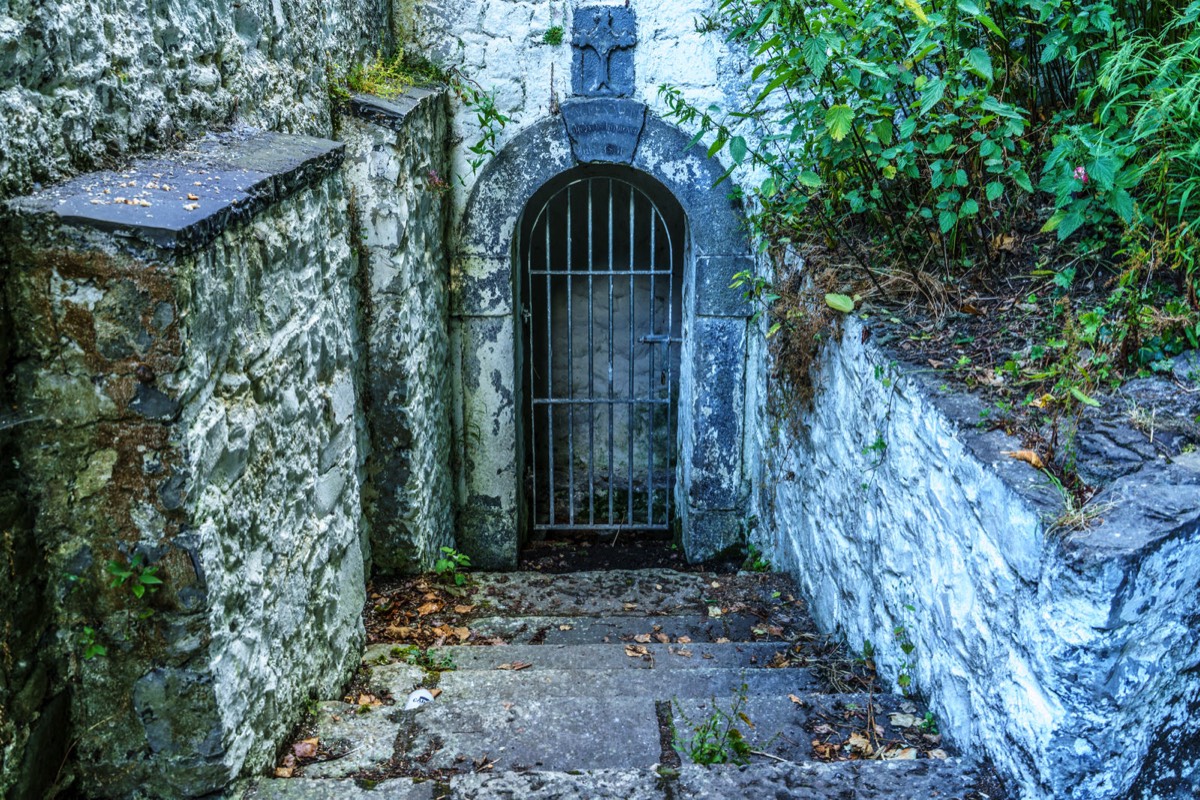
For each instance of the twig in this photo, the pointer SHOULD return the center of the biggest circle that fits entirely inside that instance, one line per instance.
(768, 755)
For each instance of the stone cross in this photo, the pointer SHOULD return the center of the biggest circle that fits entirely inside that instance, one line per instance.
(603, 38)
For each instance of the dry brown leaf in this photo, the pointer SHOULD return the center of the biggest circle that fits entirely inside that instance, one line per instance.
(397, 631)
(192, 196)
(1028, 456)
(565, 627)
(629, 606)
(721, 640)
(306, 748)
(463, 609)
(636, 650)
(283, 772)
(939, 753)
(796, 700)
(516, 665)
(642, 638)
(684, 639)
(435, 691)
(823, 730)
(904, 720)
(662, 638)
(462, 633)
(900, 754)
(684, 652)
(428, 608)
(859, 744)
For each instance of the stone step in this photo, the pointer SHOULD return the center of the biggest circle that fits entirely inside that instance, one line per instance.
(949, 779)
(701, 628)
(602, 684)
(535, 731)
(731, 655)
(600, 593)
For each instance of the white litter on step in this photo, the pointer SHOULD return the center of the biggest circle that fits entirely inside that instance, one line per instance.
(418, 698)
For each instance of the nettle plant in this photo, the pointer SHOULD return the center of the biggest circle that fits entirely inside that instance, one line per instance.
(876, 122)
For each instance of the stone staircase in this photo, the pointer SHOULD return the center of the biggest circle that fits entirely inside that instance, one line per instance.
(604, 687)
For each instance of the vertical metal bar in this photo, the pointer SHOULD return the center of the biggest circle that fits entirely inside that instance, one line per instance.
(570, 375)
(549, 372)
(611, 406)
(591, 366)
(527, 323)
(631, 390)
(651, 408)
(671, 245)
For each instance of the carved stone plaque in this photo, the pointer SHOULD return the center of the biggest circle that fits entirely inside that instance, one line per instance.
(603, 38)
(604, 130)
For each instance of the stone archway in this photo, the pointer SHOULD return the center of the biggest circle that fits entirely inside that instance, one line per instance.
(710, 486)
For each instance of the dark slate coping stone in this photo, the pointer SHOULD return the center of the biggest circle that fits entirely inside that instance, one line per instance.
(234, 174)
(391, 113)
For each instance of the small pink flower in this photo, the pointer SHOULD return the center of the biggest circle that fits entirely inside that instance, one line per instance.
(1081, 175)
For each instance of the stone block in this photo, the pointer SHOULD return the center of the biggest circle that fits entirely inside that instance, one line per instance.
(714, 295)
(604, 131)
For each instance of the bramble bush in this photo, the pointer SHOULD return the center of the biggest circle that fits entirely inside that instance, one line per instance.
(920, 139)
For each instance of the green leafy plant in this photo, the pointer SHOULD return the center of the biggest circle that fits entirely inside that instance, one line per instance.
(908, 663)
(135, 574)
(91, 648)
(929, 724)
(718, 739)
(553, 35)
(487, 117)
(755, 560)
(450, 568)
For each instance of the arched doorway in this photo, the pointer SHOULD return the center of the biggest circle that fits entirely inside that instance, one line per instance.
(598, 138)
(600, 259)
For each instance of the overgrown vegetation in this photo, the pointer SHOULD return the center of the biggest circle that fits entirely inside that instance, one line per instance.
(927, 153)
(718, 738)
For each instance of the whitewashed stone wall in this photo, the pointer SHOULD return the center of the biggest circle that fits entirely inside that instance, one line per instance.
(1070, 660)
(397, 173)
(82, 81)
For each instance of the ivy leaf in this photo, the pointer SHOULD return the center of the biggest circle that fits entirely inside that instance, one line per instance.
(814, 54)
(980, 63)
(932, 95)
(737, 149)
(810, 179)
(840, 302)
(839, 120)
(947, 220)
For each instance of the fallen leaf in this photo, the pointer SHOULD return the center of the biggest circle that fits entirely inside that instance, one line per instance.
(397, 632)
(823, 730)
(435, 692)
(662, 638)
(825, 751)
(642, 638)
(636, 650)
(775, 630)
(939, 753)
(684, 639)
(191, 206)
(903, 720)
(462, 633)
(714, 611)
(516, 665)
(683, 652)
(629, 606)
(463, 609)
(859, 744)
(715, 585)
(305, 749)
(192, 196)
(1028, 456)
(283, 772)
(565, 627)
(900, 754)
(721, 640)
(428, 608)
(796, 700)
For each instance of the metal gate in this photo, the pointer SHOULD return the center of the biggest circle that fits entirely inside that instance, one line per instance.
(601, 277)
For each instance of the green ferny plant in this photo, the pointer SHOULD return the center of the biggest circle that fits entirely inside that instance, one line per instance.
(450, 567)
(140, 578)
(718, 739)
